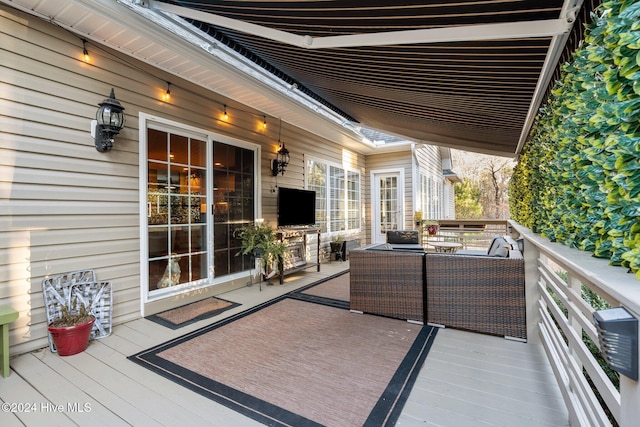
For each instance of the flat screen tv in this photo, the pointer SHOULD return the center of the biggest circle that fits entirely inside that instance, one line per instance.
(296, 207)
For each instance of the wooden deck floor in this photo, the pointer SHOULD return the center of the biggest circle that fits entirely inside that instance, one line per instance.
(467, 380)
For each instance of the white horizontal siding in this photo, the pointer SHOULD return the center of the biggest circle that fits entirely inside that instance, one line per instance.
(430, 164)
(63, 222)
(429, 159)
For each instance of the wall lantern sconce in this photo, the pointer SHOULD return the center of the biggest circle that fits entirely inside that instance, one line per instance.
(85, 52)
(109, 122)
(279, 164)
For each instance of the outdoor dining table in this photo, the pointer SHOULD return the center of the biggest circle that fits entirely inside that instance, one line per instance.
(446, 246)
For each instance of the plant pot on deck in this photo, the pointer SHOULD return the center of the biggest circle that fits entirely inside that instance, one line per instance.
(71, 340)
(336, 248)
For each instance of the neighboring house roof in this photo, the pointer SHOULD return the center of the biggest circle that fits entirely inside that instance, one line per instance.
(451, 175)
(468, 75)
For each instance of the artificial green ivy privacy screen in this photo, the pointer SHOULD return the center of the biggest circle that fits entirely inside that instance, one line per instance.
(577, 181)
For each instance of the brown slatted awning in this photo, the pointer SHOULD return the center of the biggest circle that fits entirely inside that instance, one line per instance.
(463, 84)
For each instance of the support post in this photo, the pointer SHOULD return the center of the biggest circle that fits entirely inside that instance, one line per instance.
(7, 315)
(532, 293)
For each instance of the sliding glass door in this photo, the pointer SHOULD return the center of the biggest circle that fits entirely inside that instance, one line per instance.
(199, 189)
(233, 204)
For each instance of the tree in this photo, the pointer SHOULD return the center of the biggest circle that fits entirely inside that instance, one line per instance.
(494, 185)
(468, 200)
(490, 175)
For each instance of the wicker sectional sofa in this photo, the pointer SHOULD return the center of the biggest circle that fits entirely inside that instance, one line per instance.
(477, 292)
(473, 292)
(387, 282)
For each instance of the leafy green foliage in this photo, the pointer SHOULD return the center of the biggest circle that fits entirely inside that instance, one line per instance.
(577, 181)
(467, 201)
(262, 241)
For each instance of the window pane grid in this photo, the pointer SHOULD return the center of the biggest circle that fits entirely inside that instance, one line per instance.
(353, 200)
(317, 181)
(388, 204)
(432, 197)
(176, 195)
(337, 190)
(234, 205)
(336, 199)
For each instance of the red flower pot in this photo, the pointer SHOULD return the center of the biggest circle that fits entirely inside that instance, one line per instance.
(71, 339)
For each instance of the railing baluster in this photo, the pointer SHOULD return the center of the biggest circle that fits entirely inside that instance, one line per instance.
(562, 336)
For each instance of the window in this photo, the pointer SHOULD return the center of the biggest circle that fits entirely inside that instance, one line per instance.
(337, 196)
(353, 200)
(317, 181)
(337, 206)
(431, 197)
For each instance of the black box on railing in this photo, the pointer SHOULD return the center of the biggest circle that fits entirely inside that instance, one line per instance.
(618, 336)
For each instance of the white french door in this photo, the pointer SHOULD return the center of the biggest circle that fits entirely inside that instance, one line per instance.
(387, 204)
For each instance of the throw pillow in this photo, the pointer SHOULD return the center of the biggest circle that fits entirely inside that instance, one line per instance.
(499, 247)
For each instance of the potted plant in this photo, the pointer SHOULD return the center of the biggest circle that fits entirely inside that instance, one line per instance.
(336, 245)
(431, 227)
(71, 331)
(261, 241)
(273, 252)
(417, 217)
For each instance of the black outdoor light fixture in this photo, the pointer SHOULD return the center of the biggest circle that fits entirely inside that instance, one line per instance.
(281, 161)
(618, 336)
(110, 121)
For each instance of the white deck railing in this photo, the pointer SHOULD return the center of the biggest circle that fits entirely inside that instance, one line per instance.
(558, 316)
(472, 234)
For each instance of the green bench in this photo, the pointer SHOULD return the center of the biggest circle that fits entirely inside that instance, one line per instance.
(7, 315)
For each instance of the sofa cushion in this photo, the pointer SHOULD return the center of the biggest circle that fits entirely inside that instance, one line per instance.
(499, 247)
(501, 251)
(479, 252)
(378, 247)
(403, 237)
(407, 247)
(394, 247)
(494, 244)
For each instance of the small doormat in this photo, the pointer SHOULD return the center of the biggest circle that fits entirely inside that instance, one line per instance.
(193, 312)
